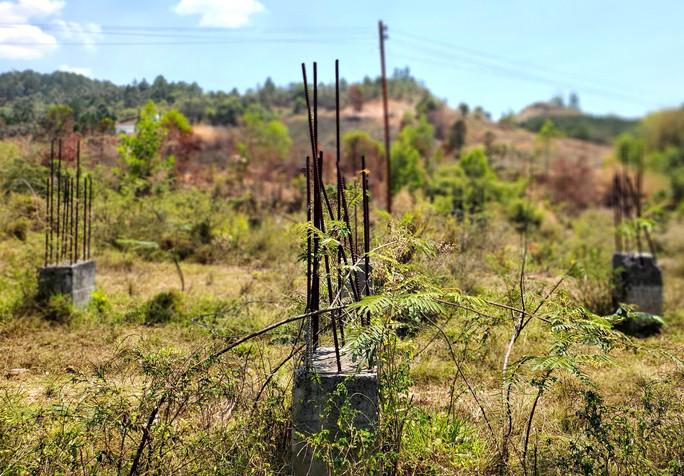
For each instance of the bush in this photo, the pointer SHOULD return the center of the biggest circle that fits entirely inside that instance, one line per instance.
(524, 214)
(99, 302)
(18, 229)
(470, 185)
(59, 309)
(164, 307)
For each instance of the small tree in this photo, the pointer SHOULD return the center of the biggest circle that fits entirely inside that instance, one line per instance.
(415, 142)
(457, 137)
(266, 138)
(358, 143)
(59, 120)
(574, 101)
(463, 109)
(140, 152)
(356, 97)
(407, 168)
(545, 137)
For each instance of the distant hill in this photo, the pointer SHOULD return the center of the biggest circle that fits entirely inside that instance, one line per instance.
(545, 109)
(573, 122)
(26, 96)
(598, 129)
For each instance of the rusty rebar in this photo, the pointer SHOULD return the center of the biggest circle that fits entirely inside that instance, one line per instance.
(315, 108)
(366, 226)
(308, 110)
(58, 246)
(338, 174)
(90, 213)
(51, 205)
(617, 212)
(315, 276)
(47, 218)
(71, 219)
(85, 219)
(326, 261)
(77, 195)
(308, 234)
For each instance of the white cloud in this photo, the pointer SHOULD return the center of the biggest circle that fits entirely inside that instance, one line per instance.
(25, 42)
(21, 10)
(221, 13)
(82, 33)
(20, 39)
(76, 69)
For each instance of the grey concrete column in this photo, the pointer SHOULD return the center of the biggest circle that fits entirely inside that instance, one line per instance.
(76, 281)
(638, 281)
(316, 404)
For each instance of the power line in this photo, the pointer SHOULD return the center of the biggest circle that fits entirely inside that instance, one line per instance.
(455, 61)
(218, 41)
(497, 58)
(442, 48)
(208, 30)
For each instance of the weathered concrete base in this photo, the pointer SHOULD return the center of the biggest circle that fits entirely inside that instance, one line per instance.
(638, 281)
(316, 404)
(76, 281)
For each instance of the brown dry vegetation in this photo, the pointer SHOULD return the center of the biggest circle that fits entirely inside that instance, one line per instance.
(88, 384)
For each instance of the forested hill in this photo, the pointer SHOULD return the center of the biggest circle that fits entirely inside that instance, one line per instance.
(599, 129)
(26, 96)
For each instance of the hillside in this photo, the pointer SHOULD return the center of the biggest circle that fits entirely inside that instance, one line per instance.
(572, 122)
(489, 314)
(26, 98)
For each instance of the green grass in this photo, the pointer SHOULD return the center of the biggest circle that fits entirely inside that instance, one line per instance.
(93, 379)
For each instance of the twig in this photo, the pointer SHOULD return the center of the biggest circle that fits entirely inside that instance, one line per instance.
(528, 429)
(462, 375)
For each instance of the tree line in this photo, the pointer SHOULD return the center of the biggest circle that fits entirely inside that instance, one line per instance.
(30, 102)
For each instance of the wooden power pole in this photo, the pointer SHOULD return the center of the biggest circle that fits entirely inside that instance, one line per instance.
(382, 31)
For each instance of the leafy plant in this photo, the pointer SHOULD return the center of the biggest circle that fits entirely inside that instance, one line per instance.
(162, 308)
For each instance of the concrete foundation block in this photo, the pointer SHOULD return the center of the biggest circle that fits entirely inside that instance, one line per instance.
(317, 402)
(638, 281)
(76, 281)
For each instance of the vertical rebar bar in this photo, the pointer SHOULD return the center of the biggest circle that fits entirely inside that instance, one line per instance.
(315, 108)
(326, 261)
(58, 245)
(308, 234)
(366, 232)
(353, 281)
(85, 219)
(366, 226)
(77, 197)
(315, 277)
(617, 212)
(65, 218)
(338, 173)
(47, 220)
(71, 220)
(308, 109)
(51, 205)
(90, 212)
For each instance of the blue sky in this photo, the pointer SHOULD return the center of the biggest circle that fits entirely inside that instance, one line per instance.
(622, 57)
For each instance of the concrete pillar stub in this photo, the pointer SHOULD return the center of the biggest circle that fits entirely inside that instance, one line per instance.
(638, 281)
(316, 404)
(76, 281)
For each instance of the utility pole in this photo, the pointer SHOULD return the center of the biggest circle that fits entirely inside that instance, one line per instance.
(382, 32)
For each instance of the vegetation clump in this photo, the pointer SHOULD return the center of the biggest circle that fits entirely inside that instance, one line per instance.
(164, 307)
(492, 325)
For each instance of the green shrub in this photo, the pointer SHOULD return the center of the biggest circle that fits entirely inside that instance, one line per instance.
(18, 229)
(524, 214)
(59, 309)
(164, 307)
(99, 302)
(470, 185)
